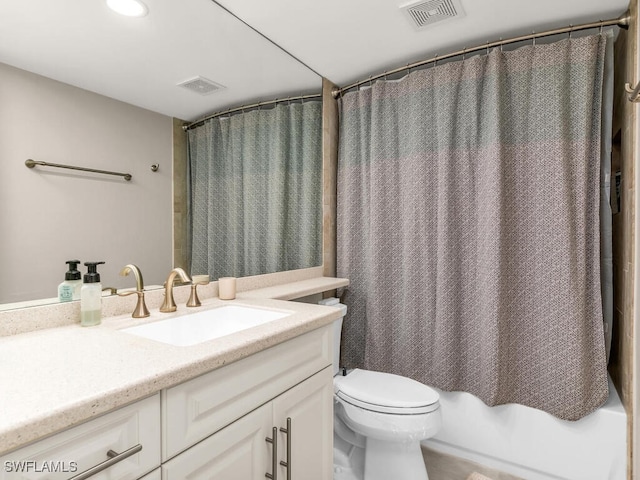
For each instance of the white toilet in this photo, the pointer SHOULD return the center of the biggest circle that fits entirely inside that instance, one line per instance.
(379, 420)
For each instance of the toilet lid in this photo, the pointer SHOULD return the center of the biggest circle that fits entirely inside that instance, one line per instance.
(386, 393)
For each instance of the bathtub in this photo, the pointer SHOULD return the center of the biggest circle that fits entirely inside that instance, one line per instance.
(532, 444)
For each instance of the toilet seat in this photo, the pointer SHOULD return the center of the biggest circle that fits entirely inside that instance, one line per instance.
(386, 393)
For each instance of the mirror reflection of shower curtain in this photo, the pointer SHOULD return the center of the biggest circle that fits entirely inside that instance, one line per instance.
(469, 226)
(256, 191)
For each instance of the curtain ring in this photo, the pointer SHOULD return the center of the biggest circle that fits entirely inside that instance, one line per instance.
(570, 31)
(385, 76)
(464, 52)
(370, 81)
(533, 40)
(501, 44)
(435, 61)
(487, 47)
(601, 27)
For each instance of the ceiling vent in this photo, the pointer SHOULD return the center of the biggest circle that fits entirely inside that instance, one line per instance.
(425, 13)
(201, 85)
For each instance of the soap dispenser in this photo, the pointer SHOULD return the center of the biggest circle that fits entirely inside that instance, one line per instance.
(91, 296)
(70, 288)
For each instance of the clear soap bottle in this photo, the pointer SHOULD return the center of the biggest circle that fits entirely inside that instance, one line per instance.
(91, 296)
(70, 288)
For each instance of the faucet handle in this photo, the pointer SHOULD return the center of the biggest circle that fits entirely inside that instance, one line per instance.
(194, 301)
(141, 310)
(169, 304)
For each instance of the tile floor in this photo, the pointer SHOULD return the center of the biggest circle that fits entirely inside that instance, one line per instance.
(441, 466)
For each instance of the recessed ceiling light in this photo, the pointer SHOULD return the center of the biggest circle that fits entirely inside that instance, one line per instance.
(130, 8)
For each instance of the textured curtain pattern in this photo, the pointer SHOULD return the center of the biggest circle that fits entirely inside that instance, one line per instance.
(256, 191)
(468, 224)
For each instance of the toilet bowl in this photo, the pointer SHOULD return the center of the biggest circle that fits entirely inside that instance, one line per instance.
(379, 421)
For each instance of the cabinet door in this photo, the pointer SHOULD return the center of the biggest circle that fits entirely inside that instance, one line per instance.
(237, 452)
(155, 475)
(307, 445)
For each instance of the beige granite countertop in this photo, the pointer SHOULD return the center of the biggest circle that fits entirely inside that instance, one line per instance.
(55, 378)
(298, 289)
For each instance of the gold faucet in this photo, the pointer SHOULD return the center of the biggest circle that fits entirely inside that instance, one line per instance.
(141, 310)
(169, 304)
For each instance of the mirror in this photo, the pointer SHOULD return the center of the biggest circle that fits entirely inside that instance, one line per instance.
(82, 86)
(256, 191)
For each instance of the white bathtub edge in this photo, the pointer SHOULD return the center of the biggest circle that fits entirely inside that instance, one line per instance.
(532, 444)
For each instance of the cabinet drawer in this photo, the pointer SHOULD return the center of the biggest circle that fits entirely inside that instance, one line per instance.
(69, 453)
(195, 409)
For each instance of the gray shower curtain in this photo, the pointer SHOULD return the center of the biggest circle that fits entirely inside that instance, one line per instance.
(469, 226)
(256, 191)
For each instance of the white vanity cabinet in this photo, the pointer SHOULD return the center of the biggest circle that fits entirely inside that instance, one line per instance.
(126, 442)
(221, 421)
(268, 414)
(301, 420)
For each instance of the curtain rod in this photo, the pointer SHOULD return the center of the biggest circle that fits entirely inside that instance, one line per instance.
(197, 123)
(622, 22)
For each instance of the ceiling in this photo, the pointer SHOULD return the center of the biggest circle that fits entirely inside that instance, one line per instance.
(279, 48)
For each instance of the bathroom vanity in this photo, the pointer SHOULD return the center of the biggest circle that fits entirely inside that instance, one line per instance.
(283, 394)
(244, 406)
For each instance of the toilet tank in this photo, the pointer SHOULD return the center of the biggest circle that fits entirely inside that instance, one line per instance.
(337, 330)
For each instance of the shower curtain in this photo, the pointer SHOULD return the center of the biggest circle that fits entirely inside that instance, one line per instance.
(469, 226)
(256, 191)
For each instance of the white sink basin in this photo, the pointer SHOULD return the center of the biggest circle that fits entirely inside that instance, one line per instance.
(199, 327)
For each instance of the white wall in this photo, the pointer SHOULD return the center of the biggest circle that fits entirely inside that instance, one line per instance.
(48, 216)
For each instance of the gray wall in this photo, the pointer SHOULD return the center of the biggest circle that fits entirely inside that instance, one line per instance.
(51, 215)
